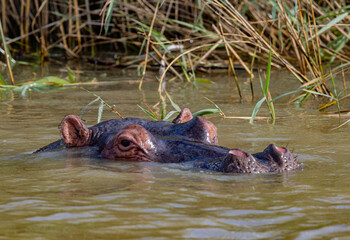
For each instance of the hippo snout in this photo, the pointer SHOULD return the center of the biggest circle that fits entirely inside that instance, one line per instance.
(272, 159)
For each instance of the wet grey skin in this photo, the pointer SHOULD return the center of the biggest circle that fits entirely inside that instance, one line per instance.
(186, 139)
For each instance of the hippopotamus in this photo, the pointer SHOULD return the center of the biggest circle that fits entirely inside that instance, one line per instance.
(185, 139)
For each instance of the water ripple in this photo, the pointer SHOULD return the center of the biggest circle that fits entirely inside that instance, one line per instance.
(323, 232)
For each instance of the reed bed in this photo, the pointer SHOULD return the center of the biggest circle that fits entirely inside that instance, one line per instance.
(308, 38)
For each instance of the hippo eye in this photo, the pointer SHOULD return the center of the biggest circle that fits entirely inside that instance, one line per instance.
(125, 143)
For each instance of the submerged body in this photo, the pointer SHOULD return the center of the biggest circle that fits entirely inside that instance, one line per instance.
(183, 140)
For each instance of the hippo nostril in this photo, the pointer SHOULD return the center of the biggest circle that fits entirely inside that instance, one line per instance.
(281, 149)
(125, 143)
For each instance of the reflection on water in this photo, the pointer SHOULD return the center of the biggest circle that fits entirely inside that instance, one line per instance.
(67, 194)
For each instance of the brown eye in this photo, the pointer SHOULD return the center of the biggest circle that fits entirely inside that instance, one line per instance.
(125, 143)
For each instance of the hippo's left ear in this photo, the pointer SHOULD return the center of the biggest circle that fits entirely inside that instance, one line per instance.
(184, 116)
(74, 132)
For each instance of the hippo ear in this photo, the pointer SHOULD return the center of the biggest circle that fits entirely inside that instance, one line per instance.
(184, 116)
(74, 132)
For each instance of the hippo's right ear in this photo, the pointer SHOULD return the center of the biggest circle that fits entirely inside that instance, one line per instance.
(184, 116)
(74, 132)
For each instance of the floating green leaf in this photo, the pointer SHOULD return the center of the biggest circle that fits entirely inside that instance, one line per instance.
(41, 84)
(203, 81)
(49, 81)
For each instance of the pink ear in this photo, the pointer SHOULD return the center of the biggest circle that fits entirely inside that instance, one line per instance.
(184, 116)
(74, 132)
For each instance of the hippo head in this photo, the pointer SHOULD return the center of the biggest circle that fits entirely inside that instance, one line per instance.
(140, 140)
(186, 139)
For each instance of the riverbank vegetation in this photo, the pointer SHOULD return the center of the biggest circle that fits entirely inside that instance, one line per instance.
(180, 38)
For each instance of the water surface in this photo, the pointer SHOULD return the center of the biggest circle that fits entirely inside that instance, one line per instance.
(66, 196)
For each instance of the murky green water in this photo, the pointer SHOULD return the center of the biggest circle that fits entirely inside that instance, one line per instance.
(60, 196)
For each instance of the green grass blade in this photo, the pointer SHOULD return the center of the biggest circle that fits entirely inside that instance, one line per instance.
(7, 52)
(272, 111)
(8, 87)
(33, 64)
(333, 13)
(92, 102)
(331, 24)
(256, 110)
(177, 108)
(335, 94)
(261, 83)
(206, 112)
(343, 40)
(154, 117)
(288, 93)
(188, 78)
(100, 111)
(157, 35)
(268, 73)
(163, 112)
(321, 94)
(24, 90)
(109, 15)
(71, 75)
(169, 115)
(217, 107)
(10, 61)
(2, 80)
(161, 4)
(195, 28)
(341, 66)
(334, 88)
(341, 125)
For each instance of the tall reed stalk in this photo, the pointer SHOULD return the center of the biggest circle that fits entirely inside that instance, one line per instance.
(182, 37)
(7, 54)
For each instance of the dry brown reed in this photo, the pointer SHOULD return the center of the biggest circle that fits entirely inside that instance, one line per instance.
(303, 36)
